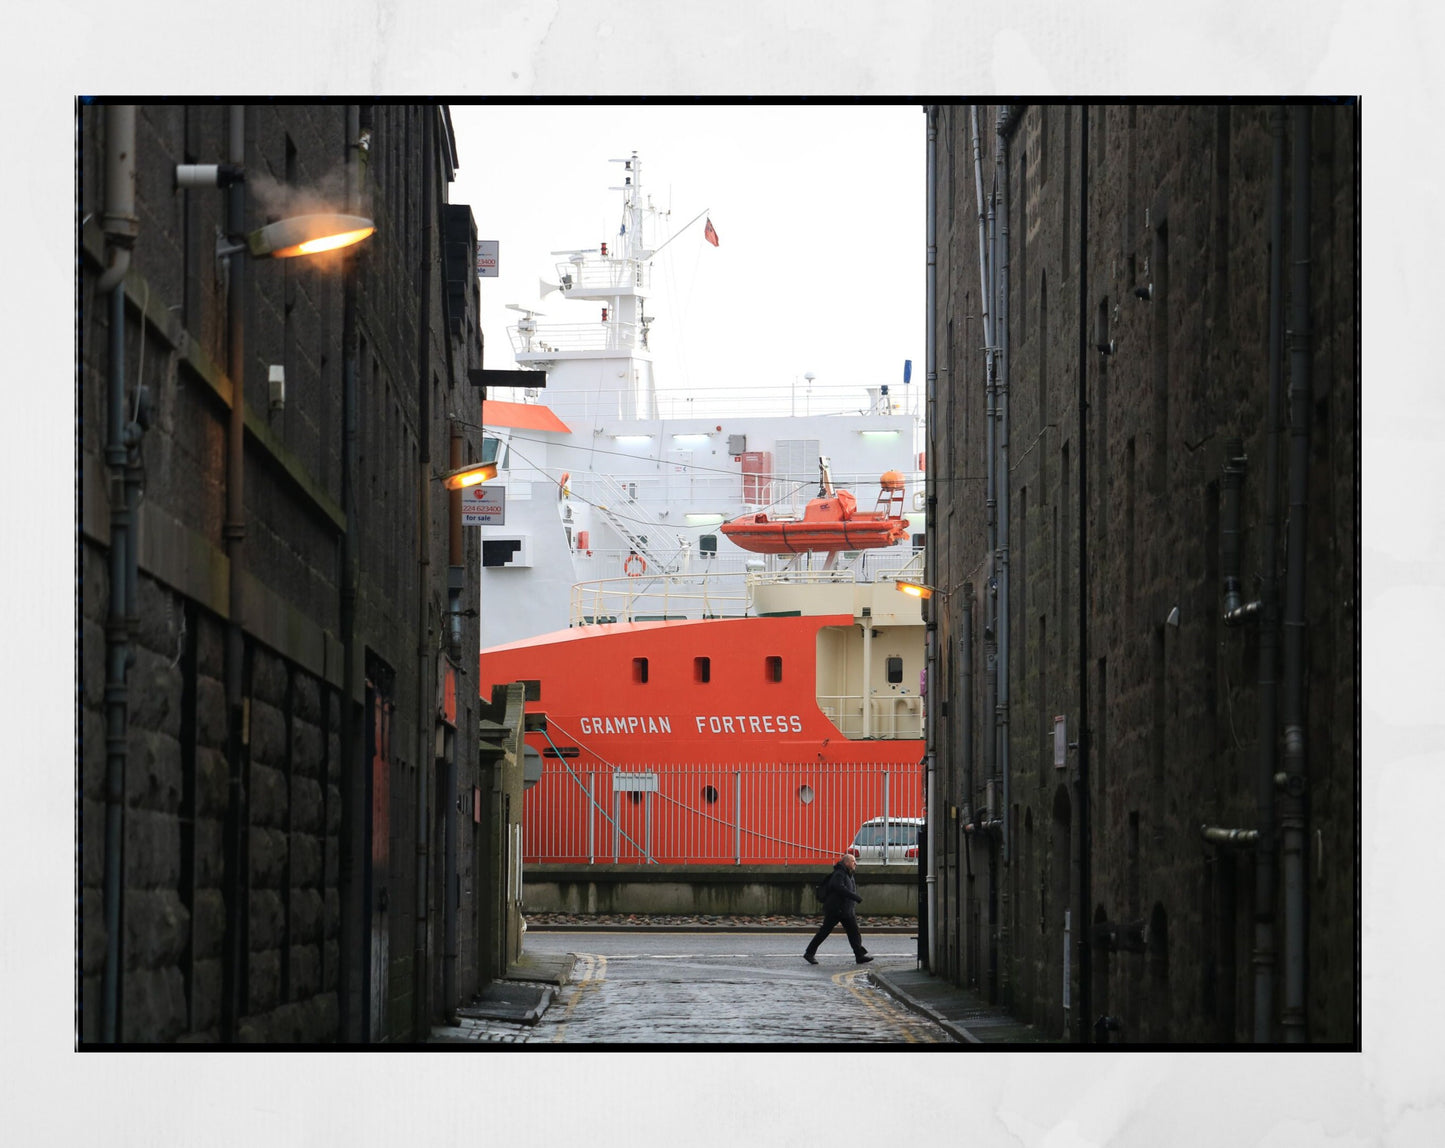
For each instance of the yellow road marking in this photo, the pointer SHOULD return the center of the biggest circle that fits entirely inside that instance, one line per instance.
(594, 972)
(882, 1006)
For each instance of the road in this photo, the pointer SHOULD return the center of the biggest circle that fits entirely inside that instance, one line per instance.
(724, 987)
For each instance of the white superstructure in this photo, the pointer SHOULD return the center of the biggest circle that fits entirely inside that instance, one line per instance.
(606, 476)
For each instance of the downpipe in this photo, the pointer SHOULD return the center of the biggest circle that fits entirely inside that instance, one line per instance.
(1265, 870)
(234, 535)
(1292, 803)
(426, 748)
(121, 226)
(354, 937)
(931, 654)
(1086, 845)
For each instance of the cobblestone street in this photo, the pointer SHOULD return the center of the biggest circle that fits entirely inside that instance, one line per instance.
(719, 987)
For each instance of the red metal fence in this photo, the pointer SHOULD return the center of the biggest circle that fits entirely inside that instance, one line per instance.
(746, 814)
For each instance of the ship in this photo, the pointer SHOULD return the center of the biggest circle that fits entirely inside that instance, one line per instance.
(719, 665)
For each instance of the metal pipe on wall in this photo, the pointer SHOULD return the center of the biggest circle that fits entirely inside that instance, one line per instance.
(355, 961)
(234, 533)
(120, 225)
(1086, 895)
(1008, 119)
(931, 654)
(426, 692)
(1292, 804)
(1265, 871)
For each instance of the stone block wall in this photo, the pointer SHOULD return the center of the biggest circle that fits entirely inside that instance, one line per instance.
(233, 869)
(1178, 211)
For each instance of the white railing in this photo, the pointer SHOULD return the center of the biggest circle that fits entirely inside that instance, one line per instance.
(612, 274)
(719, 593)
(890, 715)
(734, 813)
(612, 335)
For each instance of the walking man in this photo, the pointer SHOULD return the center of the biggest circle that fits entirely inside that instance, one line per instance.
(842, 895)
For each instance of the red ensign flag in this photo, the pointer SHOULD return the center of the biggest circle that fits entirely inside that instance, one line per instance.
(709, 234)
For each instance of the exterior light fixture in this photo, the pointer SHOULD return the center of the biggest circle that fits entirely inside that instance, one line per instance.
(917, 589)
(877, 433)
(633, 437)
(308, 235)
(472, 475)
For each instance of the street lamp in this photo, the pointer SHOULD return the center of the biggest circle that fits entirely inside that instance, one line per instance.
(471, 475)
(295, 235)
(917, 589)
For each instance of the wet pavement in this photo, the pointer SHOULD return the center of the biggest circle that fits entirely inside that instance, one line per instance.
(630, 980)
(732, 986)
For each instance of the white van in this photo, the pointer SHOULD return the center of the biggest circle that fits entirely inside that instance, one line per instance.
(901, 836)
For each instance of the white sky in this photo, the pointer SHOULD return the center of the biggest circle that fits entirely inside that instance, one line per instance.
(819, 212)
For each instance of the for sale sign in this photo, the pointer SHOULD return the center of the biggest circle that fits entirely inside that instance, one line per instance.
(484, 506)
(487, 258)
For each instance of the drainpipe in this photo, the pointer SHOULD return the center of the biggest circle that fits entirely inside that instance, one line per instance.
(354, 939)
(1292, 811)
(931, 653)
(453, 878)
(234, 535)
(985, 264)
(1086, 894)
(1008, 120)
(426, 690)
(1265, 872)
(121, 226)
(990, 743)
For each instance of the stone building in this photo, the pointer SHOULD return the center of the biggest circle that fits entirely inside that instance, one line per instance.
(1144, 534)
(278, 775)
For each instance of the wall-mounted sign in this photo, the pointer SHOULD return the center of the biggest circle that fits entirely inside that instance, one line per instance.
(484, 506)
(487, 258)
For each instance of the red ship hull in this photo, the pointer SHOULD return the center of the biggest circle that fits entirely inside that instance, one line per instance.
(688, 742)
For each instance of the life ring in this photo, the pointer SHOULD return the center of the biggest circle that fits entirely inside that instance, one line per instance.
(562, 491)
(634, 571)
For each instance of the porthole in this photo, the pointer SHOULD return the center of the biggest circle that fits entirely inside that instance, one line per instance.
(709, 794)
(805, 794)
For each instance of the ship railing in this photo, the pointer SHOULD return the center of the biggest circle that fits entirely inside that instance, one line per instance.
(697, 592)
(890, 715)
(544, 338)
(658, 597)
(739, 813)
(621, 275)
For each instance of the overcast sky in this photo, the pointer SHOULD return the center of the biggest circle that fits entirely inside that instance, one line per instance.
(819, 212)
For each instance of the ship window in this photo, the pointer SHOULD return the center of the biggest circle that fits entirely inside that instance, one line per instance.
(531, 689)
(920, 541)
(895, 671)
(702, 669)
(709, 794)
(499, 551)
(775, 669)
(639, 670)
(707, 545)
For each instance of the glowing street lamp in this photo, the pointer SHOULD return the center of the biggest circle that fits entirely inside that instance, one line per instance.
(915, 589)
(308, 235)
(473, 475)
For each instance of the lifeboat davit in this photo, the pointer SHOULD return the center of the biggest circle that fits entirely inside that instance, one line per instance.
(830, 522)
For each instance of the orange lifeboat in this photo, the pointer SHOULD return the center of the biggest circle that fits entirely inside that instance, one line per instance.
(830, 522)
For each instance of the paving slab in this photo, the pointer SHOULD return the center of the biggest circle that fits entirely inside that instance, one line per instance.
(509, 1001)
(963, 1013)
(541, 968)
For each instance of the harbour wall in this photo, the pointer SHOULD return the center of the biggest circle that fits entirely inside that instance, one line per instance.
(722, 890)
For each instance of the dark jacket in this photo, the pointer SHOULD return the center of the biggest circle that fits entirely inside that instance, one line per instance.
(842, 891)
